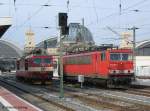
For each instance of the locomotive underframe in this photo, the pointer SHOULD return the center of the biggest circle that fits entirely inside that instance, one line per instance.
(120, 80)
(110, 81)
(35, 76)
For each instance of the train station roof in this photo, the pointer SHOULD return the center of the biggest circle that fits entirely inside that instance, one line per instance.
(5, 23)
(9, 50)
(145, 43)
(143, 48)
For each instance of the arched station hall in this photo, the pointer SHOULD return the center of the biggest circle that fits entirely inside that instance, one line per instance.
(8, 55)
(8, 51)
(143, 60)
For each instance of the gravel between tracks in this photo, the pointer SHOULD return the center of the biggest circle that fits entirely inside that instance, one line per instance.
(69, 103)
(78, 98)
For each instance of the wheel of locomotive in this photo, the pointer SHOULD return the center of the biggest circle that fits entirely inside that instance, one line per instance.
(65, 77)
(18, 78)
(109, 83)
(43, 82)
(30, 81)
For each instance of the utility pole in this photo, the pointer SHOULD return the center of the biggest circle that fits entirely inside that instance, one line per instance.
(120, 8)
(134, 47)
(83, 21)
(82, 31)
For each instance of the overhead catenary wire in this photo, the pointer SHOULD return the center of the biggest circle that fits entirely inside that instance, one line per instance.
(134, 5)
(108, 17)
(54, 5)
(9, 7)
(17, 27)
(35, 13)
(81, 6)
(120, 7)
(144, 33)
(42, 27)
(68, 2)
(96, 14)
(122, 11)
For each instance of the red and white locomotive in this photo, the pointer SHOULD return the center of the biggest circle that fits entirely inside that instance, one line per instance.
(35, 68)
(115, 66)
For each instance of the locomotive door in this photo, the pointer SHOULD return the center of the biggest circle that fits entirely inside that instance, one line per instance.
(102, 65)
(18, 65)
(26, 64)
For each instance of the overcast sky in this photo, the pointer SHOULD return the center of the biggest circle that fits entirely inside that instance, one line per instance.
(98, 15)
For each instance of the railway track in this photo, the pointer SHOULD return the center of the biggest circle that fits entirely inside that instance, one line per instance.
(142, 92)
(96, 101)
(71, 105)
(103, 101)
(47, 105)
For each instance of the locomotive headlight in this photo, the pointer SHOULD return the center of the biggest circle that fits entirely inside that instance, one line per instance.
(120, 71)
(126, 71)
(110, 71)
(114, 71)
(131, 71)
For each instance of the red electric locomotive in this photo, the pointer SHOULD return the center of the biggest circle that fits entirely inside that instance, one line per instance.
(35, 68)
(115, 66)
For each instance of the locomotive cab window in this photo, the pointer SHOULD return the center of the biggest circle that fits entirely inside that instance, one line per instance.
(126, 56)
(47, 60)
(115, 57)
(37, 61)
(120, 56)
(103, 56)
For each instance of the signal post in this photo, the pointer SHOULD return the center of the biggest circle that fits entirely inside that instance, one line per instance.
(62, 22)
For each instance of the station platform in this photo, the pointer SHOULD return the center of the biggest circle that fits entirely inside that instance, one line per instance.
(143, 82)
(11, 102)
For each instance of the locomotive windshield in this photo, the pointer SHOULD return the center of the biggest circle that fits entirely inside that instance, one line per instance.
(120, 56)
(47, 60)
(37, 60)
(41, 60)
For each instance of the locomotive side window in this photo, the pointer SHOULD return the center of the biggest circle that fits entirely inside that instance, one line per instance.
(87, 60)
(69, 60)
(103, 56)
(73, 60)
(37, 60)
(78, 60)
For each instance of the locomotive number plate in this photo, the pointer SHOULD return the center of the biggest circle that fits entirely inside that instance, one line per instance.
(121, 71)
